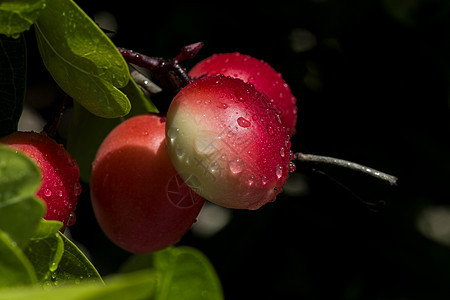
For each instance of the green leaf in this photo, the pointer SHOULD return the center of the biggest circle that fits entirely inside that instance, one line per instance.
(20, 210)
(15, 269)
(13, 61)
(134, 286)
(82, 59)
(57, 260)
(88, 131)
(18, 16)
(46, 229)
(184, 273)
(74, 266)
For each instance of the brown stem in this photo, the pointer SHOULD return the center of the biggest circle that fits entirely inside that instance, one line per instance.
(392, 180)
(167, 71)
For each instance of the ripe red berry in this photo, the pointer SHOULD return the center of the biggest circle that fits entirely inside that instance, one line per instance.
(140, 202)
(224, 136)
(257, 72)
(60, 186)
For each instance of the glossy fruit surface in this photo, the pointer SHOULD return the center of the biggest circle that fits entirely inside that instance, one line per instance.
(257, 72)
(140, 202)
(225, 138)
(60, 186)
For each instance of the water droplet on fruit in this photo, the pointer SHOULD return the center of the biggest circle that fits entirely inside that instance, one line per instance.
(172, 133)
(243, 122)
(222, 105)
(236, 166)
(255, 117)
(251, 180)
(60, 193)
(214, 167)
(292, 167)
(282, 152)
(145, 133)
(179, 151)
(264, 180)
(47, 193)
(72, 219)
(270, 130)
(207, 101)
(279, 171)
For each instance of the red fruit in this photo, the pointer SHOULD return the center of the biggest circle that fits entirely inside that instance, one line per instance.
(60, 186)
(140, 202)
(257, 72)
(224, 136)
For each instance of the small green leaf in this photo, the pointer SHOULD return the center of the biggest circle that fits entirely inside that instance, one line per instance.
(82, 59)
(46, 229)
(13, 61)
(88, 131)
(134, 286)
(57, 260)
(20, 210)
(18, 16)
(74, 266)
(184, 273)
(15, 269)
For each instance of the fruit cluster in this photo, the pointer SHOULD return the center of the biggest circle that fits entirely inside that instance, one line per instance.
(225, 139)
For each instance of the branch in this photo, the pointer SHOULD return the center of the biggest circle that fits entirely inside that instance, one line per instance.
(392, 180)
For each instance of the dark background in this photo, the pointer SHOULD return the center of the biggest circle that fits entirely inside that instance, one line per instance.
(372, 83)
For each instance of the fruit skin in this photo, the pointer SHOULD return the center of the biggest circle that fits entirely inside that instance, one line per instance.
(60, 185)
(226, 139)
(135, 188)
(257, 72)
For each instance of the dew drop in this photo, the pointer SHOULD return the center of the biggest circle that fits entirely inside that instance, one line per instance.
(172, 133)
(264, 180)
(251, 180)
(282, 152)
(72, 219)
(214, 167)
(279, 171)
(292, 167)
(145, 133)
(47, 193)
(53, 267)
(255, 117)
(179, 151)
(236, 166)
(243, 122)
(270, 130)
(222, 105)
(60, 193)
